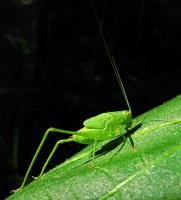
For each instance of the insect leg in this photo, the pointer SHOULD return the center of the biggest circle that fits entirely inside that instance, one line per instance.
(52, 153)
(93, 154)
(35, 156)
(38, 151)
(125, 138)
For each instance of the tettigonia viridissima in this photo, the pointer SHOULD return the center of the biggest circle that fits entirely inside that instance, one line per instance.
(102, 127)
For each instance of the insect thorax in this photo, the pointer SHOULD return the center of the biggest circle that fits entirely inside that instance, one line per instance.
(122, 118)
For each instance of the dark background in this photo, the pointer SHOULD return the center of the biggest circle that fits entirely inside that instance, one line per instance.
(54, 70)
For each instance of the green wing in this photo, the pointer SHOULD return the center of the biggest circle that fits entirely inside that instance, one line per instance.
(97, 122)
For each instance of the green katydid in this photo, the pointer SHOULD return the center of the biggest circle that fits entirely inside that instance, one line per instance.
(102, 127)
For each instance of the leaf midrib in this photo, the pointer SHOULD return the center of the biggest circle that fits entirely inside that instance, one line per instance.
(173, 122)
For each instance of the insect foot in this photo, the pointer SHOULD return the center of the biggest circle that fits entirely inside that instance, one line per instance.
(35, 177)
(13, 191)
(90, 166)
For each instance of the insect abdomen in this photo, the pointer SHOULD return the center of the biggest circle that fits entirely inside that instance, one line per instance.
(82, 140)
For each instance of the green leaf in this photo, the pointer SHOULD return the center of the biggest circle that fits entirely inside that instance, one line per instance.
(153, 171)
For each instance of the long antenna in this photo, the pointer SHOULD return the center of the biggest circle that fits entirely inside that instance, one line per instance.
(111, 59)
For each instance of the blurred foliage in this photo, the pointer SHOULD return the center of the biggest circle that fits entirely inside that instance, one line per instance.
(54, 68)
